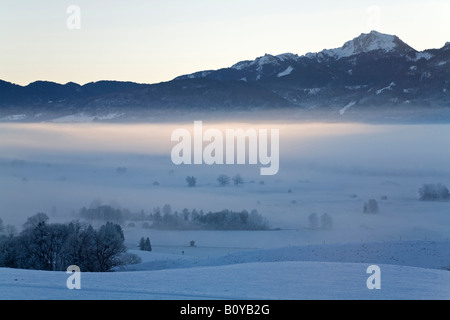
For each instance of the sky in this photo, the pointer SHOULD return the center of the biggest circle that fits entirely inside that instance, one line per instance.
(150, 41)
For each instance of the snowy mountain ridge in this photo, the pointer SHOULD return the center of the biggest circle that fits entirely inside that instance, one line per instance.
(365, 43)
(356, 73)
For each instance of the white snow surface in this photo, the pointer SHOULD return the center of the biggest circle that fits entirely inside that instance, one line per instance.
(265, 60)
(348, 106)
(14, 117)
(82, 117)
(389, 87)
(287, 56)
(199, 74)
(286, 72)
(422, 55)
(336, 271)
(358, 87)
(413, 253)
(249, 281)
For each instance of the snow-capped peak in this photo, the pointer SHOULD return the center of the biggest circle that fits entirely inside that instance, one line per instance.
(267, 59)
(287, 56)
(368, 42)
(259, 62)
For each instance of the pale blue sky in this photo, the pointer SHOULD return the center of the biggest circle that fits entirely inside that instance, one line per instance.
(152, 41)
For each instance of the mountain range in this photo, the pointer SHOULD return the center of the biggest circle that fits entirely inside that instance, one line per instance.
(374, 71)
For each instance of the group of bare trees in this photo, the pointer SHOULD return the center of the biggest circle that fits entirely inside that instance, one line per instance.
(223, 180)
(102, 214)
(325, 221)
(221, 220)
(55, 246)
(434, 192)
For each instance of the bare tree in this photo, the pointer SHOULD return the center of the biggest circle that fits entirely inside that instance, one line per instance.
(371, 207)
(223, 180)
(34, 221)
(313, 220)
(237, 180)
(191, 181)
(326, 221)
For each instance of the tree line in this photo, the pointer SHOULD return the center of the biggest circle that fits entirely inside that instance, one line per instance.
(220, 220)
(55, 246)
(165, 218)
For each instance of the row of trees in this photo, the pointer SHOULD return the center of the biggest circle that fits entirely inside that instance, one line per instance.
(165, 218)
(223, 180)
(103, 214)
(54, 247)
(434, 192)
(428, 192)
(325, 221)
(221, 220)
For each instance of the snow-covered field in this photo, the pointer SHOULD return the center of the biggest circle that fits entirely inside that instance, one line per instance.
(252, 281)
(324, 168)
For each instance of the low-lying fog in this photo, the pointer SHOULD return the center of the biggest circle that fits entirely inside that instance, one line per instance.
(332, 168)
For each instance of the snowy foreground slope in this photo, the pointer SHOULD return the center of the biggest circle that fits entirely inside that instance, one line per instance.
(292, 273)
(258, 281)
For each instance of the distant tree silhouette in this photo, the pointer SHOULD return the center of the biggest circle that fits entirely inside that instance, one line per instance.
(313, 220)
(191, 181)
(434, 192)
(35, 220)
(147, 245)
(223, 180)
(371, 207)
(326, 221)
(237, 180)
